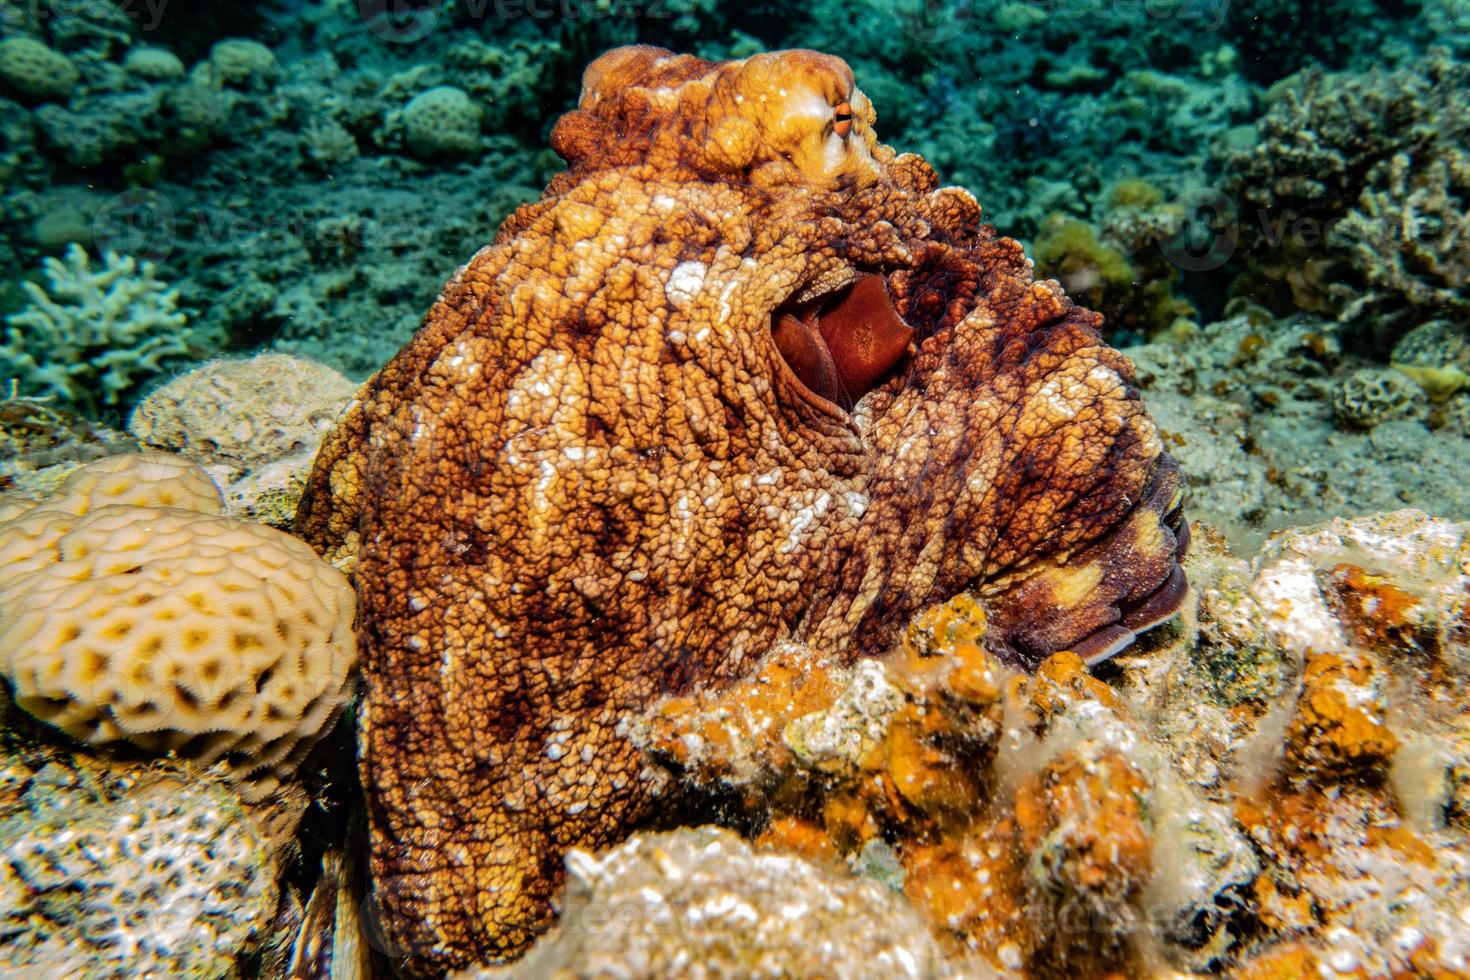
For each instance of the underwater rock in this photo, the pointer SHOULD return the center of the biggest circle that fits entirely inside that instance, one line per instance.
(1346, 662)
(1246, 405)
(1280, 780)
(127, 872)
(702, 902)
(743, 374)
(270, 494)
(1024, 814)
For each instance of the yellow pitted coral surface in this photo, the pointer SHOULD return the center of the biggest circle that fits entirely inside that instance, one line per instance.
(594, 478)
(133, 613)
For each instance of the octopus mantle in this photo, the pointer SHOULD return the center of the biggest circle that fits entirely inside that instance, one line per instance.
(624, 456)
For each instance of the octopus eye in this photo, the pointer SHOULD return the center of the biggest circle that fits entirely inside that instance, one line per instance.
(842, 119)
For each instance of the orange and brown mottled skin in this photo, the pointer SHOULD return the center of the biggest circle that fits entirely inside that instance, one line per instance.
(591, 480)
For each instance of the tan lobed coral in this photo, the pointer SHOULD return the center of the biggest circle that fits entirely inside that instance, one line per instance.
(743, 374)
(133, 613)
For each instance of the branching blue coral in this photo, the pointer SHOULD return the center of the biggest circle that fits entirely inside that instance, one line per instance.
(94, 335)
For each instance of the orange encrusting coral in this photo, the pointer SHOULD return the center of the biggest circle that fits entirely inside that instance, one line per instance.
(991, 867)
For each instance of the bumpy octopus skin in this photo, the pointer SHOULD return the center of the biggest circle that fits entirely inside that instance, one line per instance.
(594, 478)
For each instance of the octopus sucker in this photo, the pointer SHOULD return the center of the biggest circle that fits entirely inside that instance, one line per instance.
(743, 374)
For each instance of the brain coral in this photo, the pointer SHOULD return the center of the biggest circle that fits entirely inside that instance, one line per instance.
(743, 374)
(442, 122)
(241, 63)
(1370, 396)
(245, 412)
(154, 64)
(131, 612)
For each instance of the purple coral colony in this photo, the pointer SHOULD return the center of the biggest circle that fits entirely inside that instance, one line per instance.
(683, 488)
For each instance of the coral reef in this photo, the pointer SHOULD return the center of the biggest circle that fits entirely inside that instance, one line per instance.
(1279, 786)
(1274, 39)
(1052, 873)
(1346, 761)
(1437, 355)
(1370, 396)
(1120, 269)
(701, 901)
(93, 337)
(1408, 240)
(704, 503)
(133, 614)
(41, 443)
(439, 122)
(1246, 404)
(1237, 795)
(128, 872)
(244, 413)
(1352, 198)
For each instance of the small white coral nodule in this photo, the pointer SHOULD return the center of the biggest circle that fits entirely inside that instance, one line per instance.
(124, 619)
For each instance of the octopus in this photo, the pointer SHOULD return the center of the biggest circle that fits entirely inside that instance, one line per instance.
(743, 374)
